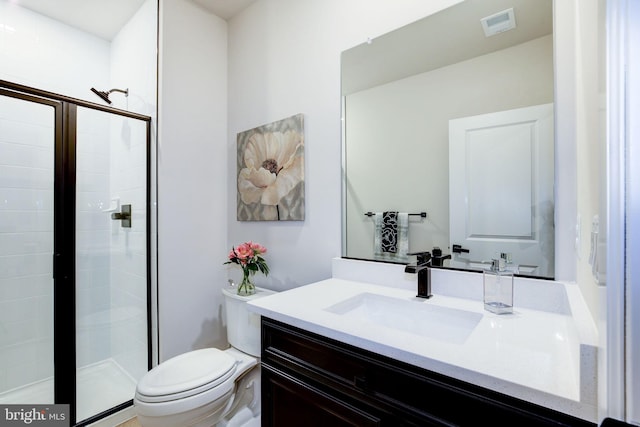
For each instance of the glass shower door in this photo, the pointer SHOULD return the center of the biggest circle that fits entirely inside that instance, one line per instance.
(74, 253)
(27, 147)
(111, 259)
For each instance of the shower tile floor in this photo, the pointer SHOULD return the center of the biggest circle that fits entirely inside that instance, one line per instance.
(101, 386)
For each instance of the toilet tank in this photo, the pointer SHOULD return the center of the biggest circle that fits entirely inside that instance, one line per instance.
(243, 326)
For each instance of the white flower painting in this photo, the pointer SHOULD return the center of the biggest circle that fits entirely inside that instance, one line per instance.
(271, 171)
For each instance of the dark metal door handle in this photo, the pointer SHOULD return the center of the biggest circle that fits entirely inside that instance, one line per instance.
(124, 216)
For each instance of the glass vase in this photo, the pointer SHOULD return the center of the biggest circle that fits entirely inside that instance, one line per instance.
(247, 286)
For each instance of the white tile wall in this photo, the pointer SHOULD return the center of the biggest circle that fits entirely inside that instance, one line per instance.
(40, 52)
(93, 226)
(26, 239)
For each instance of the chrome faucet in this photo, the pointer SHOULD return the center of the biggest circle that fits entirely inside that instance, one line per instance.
(422, 268)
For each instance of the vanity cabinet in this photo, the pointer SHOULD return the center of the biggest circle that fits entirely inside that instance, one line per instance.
(310, 380)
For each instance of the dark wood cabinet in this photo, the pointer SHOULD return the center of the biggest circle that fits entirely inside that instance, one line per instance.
(295, 403)
(310, 380)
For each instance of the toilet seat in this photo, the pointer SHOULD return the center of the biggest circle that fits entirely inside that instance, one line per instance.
(187, 375)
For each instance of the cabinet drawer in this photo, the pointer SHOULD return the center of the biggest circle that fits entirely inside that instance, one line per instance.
(409, 391)
(294, 403)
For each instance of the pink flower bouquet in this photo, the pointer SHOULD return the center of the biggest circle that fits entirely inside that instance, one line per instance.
(249, 256)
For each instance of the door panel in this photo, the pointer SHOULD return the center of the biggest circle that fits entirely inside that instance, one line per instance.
(111, 259)
(501, 187)
(27, 144)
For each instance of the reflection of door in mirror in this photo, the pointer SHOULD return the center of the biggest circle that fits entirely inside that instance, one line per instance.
(501, 189)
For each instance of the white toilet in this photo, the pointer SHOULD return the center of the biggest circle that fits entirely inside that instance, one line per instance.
(208, 387)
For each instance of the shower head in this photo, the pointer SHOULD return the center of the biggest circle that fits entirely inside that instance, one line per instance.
(105, 95)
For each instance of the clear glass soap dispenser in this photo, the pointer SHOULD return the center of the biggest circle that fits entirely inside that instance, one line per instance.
(498, 288)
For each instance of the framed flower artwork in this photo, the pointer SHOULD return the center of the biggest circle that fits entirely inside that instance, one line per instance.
(271, 171)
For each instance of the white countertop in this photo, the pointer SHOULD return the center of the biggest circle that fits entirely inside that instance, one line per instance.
(533, 355)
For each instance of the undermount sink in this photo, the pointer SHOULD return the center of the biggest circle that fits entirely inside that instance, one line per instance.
(419, 316)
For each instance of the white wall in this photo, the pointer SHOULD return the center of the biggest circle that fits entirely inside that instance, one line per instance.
(192, 177)
(284, 59)
(274, 74)
(271, 75)
(590, 134)
(579, 140)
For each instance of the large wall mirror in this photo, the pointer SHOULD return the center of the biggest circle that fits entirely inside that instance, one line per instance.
(449, 139)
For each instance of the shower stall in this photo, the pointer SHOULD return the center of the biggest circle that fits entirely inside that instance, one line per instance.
(74, 252)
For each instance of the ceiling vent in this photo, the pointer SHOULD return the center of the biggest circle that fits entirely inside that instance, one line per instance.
(498, 22)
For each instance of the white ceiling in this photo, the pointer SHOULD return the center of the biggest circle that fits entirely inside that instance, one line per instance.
(105, 18)
(225, 9)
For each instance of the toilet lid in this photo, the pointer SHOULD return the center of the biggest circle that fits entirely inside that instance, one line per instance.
(186, 374)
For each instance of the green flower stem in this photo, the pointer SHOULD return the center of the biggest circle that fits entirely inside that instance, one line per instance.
(247, 287)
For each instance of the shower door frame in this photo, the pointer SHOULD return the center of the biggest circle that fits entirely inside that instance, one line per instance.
(64, 251)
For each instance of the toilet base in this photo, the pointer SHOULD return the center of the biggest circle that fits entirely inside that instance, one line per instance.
(246, 412)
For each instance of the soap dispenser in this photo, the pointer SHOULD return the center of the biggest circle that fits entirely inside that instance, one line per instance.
(498, 288)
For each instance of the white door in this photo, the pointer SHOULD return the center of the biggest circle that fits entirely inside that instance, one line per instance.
(501, 187)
